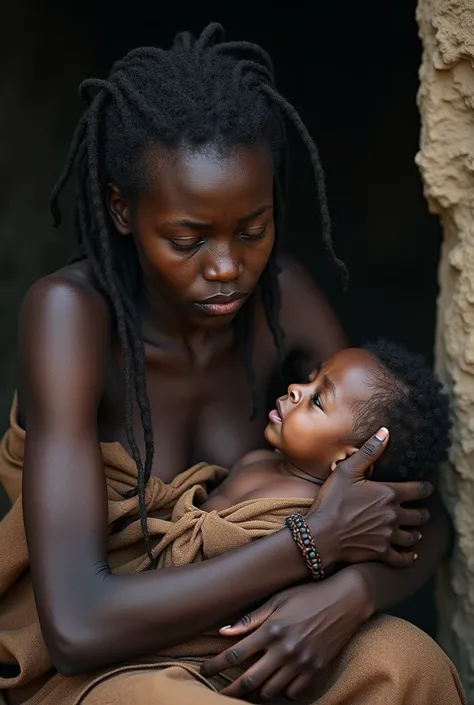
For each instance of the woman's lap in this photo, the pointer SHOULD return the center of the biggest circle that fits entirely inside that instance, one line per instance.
(387, 662)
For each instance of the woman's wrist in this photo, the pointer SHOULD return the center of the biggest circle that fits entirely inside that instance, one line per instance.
(325, 539)
(360, 590)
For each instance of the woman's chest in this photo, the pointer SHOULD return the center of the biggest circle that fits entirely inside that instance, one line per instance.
(196, 415)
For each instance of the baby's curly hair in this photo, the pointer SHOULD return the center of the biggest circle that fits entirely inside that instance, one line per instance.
(409, 401)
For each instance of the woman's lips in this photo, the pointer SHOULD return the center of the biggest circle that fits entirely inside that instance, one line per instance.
(222, 309)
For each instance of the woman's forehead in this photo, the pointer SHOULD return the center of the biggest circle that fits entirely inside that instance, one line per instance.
(209, 177)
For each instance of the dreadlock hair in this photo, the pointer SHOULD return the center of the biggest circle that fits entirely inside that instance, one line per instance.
(407, 399)
(201, 91)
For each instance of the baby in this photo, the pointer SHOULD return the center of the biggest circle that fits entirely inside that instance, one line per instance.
(320, 422)
(315, 426)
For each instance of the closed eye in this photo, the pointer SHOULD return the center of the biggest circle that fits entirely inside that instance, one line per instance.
(253, 236)
(186, 246)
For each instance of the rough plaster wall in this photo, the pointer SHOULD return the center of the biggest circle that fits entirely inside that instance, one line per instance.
(44, 53)
(446, 161)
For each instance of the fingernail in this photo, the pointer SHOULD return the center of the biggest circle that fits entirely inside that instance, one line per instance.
(227, 626)
(420, 536)
(415, 557)
(381, 434)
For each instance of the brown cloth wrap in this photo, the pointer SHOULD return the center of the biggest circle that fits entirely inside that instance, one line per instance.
(182, 533)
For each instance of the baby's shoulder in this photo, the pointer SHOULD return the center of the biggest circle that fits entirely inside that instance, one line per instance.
(254, 470)
(257, 476)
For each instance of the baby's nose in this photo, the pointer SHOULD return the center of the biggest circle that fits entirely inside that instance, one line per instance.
(294, 393)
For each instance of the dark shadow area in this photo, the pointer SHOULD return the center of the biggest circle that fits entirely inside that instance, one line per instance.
(350, 69)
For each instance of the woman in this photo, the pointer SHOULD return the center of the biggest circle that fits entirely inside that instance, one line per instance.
(178, 161)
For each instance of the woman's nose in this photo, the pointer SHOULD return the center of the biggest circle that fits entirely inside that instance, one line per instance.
(294, 393)
(224, 265)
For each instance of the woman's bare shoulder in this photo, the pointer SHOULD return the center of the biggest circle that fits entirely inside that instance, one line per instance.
(64, 337)
(309, 322)
(76, 277)
(69, 290)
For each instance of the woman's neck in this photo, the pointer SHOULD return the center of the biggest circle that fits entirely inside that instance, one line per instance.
(163, 326)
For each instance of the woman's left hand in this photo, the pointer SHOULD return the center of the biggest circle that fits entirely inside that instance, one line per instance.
(300, 631)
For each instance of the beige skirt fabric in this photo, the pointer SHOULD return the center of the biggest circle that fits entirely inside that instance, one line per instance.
(389, 662)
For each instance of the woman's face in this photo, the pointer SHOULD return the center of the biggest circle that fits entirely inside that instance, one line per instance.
(204, 229)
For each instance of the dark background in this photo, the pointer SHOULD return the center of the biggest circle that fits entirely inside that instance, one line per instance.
(351, 70)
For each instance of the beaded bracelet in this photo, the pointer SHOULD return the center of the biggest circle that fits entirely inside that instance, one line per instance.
(303, 539)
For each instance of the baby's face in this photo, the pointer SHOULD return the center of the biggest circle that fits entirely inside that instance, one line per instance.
(312, 424)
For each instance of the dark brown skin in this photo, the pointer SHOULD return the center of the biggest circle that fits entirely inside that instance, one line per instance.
(309, 430)
(72, 398)
(314, 421)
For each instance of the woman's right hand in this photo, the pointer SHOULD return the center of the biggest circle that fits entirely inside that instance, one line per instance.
(363, 519)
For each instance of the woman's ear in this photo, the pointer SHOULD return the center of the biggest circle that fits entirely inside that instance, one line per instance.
(346, 453)
(119, 210)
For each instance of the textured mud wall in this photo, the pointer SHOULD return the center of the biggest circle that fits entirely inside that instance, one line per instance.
(446, 161)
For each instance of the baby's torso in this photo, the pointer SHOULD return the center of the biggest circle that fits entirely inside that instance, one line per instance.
(257, 476)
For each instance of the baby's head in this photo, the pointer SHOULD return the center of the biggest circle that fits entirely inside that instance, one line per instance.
(348, 398)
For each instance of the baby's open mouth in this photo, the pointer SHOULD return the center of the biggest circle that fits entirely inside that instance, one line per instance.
(276, 415)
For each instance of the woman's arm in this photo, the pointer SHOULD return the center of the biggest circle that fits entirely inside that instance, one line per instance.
(90, 617)
(311, 326)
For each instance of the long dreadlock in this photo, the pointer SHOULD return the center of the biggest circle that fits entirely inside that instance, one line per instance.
(198, 92)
